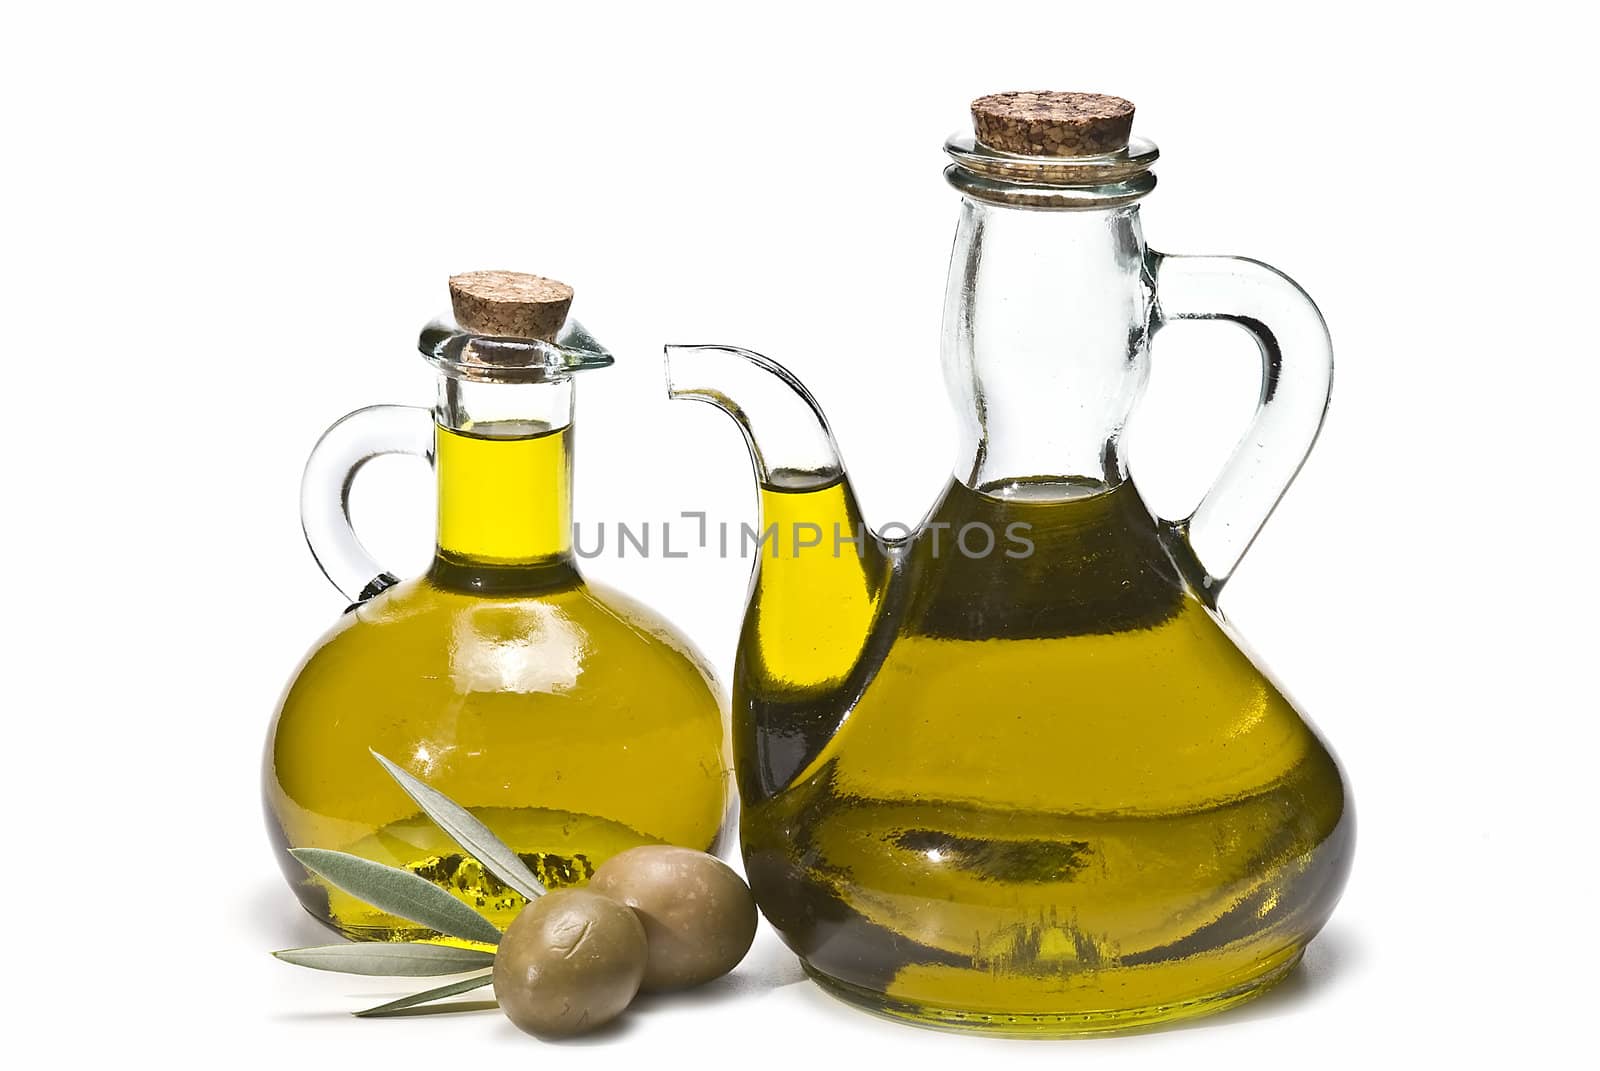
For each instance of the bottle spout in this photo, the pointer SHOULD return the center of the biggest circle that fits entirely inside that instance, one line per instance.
(815, 560)
(790, 444)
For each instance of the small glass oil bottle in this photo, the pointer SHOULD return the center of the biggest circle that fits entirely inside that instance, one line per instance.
(572, 721)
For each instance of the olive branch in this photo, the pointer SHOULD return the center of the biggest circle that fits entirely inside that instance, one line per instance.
(404, 894)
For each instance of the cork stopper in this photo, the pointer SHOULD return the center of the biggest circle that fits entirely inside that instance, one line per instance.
(1052, 124)
(509, 304)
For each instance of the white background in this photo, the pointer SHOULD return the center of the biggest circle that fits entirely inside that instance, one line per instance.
(222, 227)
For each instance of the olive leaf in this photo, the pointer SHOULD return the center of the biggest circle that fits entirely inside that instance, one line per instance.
(399, 1007)
(398, 892)
(468, 832)
(405, 960)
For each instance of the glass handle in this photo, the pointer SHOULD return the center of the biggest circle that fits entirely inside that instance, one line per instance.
(1296, 376)
(325, 490)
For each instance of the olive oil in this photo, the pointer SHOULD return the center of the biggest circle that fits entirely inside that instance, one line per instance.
(568, 718)
(1048, 793)
(570, 846)
(832, 569)
(489, 511)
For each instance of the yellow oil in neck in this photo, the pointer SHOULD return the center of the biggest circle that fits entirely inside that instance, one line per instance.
(505, 493)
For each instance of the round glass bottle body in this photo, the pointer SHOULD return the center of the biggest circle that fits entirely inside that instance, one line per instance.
(570, 719)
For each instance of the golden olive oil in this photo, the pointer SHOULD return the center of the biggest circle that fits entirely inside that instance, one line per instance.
(813, 609)
(564, 716)
(505, 493)
(1047, 792)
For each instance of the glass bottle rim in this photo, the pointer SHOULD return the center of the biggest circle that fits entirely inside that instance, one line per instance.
(462, 354)
(1106, 180)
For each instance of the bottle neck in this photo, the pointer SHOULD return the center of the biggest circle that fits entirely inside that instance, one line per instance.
(503, 457)
(1045, 346)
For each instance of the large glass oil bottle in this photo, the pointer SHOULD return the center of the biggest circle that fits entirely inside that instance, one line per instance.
(571, 720)
(1013, 772)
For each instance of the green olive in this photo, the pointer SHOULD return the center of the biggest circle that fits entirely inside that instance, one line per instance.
(698, 914)
(571, 961)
